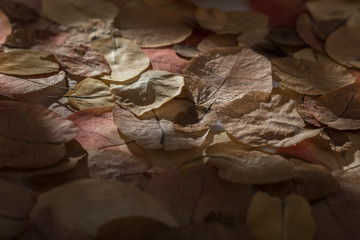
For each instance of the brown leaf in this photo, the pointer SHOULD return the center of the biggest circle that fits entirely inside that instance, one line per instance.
(313, 182)
(233, 22)
(285, 36)
(29, 37)
(74, 13)
(192, 194)
(90, 93)
(5, 27)
(32, 135)
(339, 109)
(119, 50)
(342, 46)
(22, 84)
(305, 28)
(15, 207)
(259, 119)
(83, 206)
(96, 128)
(165, 59)
(153, 89)
(270, 218)
(336, 10)
(312, 78)
(221, 74)
(214, 41)
(141, 24)
(186, 51)
(27, 62)
(241, 164)
(323, 29)
(81, 60)
(17, 11)
(152, 132)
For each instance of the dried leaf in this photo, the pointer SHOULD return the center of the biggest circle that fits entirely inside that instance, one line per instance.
(221, 74)
(15, 207)
(165, 59)
(152, 132)
(83, 206)
(5, 27)
(153, 89)
(323, 29)
(81, 60)
(186, 50)
(305, 28)
(241, 164)
(27, 62)
(90, 93)
(342, 45)
(17, 11)
(22, 85)
(157, 3)
(285, 36)
(332, 10)
(31, 135)
(77, 12)
(214, 41)
(281, 13)
(308, 77)
(96, 128)
(192, 194)
(270, 218)
(144, 24)
(339, 109)
(233, 22)
(119, 50)
(313, 182)
(259, 119)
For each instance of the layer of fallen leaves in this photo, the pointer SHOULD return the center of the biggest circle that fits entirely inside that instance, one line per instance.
(162, 120)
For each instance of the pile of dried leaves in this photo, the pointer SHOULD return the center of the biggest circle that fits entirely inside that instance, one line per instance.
(162, 120)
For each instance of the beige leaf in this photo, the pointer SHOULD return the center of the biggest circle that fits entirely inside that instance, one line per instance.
(270, 218)
(15, 207)
(119, 50)
(144, 25)
(311, 78)
(233, 22)
(152, 132)
(5, 26)
(340, 109)
(221, 74)
(77, 12)
(32, 136)
(259, 119)
(90, 93)
(214, 41)
(83, 206)
(22, 85)
(186, 51)
(27, 62)
(153, 89)
(81, 60)
(241, 164)
(311, 55)
(343, 46)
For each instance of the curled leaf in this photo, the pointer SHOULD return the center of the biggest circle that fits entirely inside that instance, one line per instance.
(153, 89)
(259, 119)
(119, 50)
(90, 93)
